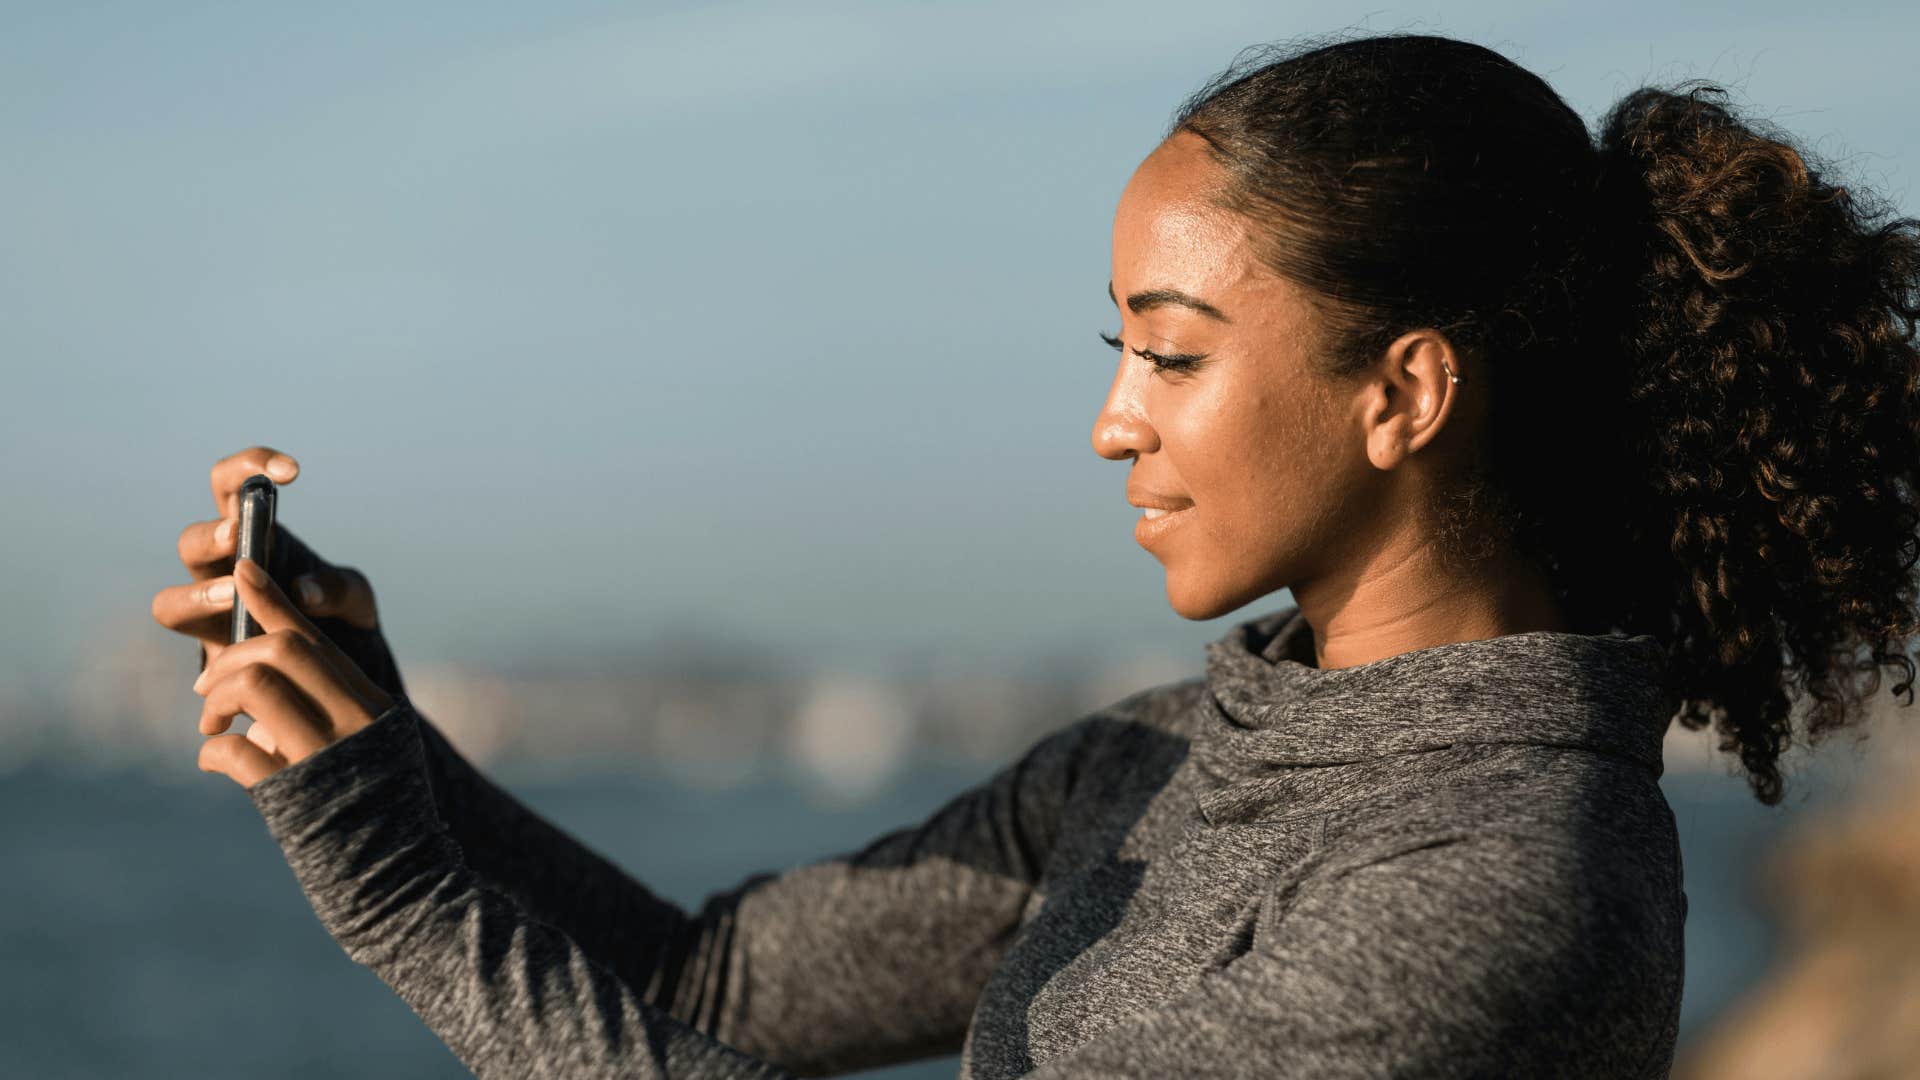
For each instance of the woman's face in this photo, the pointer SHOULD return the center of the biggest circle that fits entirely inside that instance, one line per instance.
(1267, 460)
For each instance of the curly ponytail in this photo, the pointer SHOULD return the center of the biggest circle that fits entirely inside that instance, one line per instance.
(1776, 391)
(1705, 416)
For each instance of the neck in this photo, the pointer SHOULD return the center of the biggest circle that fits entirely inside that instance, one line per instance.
(1406, 599)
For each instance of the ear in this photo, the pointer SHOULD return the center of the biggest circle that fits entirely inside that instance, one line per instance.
(1412, 396)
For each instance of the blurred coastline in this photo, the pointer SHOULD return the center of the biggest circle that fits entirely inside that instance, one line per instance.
(713, 716)
(698, 764)
(696, 710)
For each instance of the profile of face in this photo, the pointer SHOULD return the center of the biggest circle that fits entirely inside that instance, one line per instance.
(1280, 476)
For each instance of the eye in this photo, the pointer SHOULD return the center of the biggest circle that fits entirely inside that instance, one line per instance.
(1160, 361)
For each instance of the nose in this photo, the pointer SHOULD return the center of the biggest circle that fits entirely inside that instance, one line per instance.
(1121, 430)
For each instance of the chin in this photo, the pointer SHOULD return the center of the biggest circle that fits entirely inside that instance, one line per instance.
(1199, 601)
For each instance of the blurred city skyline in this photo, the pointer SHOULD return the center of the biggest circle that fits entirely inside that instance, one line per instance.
(698, 715)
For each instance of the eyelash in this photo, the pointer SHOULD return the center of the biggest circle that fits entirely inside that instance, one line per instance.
(1181, 362)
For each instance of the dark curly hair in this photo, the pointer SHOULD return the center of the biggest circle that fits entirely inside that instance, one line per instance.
(1705, 393)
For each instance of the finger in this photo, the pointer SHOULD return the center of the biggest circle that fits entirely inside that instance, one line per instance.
(206, 547)
(210, 652)
(338, 592)
(259, 736)
(199, 609)
(298, 661)
(269, 607)
(231, 471)
(240, 758)
(267, 604)
(296, 726)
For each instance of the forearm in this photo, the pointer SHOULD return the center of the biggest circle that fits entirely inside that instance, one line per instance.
(509, 993)
(646, 939)
(866, 959)
(512, 848)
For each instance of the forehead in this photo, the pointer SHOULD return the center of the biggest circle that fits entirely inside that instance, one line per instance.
(1168, 233)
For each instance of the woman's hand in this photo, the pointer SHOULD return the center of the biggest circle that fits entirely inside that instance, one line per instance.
(207, 549)
(302, 692)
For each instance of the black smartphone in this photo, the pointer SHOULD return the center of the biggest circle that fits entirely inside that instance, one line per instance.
(255, 541)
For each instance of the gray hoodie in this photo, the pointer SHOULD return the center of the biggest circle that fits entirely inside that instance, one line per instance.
(1452, 862)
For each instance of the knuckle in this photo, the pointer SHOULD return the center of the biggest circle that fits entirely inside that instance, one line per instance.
(254, 677)
(359, 590)
(314, 591)
(276, 647)
(291, 645)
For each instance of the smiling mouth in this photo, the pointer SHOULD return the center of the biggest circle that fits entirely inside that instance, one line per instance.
(1155, 523)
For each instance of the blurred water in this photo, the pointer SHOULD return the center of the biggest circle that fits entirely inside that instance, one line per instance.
(151, 928)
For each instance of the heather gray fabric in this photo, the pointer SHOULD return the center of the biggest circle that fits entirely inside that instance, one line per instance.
(1453, 862)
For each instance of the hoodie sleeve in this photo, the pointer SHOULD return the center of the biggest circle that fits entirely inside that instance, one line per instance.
(1466, 954)
(511, 847)
(865, 959)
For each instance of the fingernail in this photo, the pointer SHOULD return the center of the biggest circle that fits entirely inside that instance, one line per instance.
(220, 592)
(280, 467)
(250, 570)
(224, 531)
(200, 684)
(309, 589)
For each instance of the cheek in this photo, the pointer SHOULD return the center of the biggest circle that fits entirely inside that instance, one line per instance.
(1240, 448)
(1267, 471)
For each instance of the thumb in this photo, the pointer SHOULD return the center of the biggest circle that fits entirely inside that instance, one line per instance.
(239, 758)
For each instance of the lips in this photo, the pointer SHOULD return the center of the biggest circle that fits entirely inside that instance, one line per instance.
(1162, 511)
(1156, 501)
(1156, 523)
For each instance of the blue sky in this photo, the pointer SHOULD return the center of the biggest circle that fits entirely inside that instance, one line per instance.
(593, 321)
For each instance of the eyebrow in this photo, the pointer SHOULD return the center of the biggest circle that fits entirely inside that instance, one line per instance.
(1153, 298)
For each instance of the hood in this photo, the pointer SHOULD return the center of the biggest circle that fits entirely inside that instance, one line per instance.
(1269, 712)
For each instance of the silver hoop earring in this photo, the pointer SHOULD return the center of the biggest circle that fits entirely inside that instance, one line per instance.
(1450, 375)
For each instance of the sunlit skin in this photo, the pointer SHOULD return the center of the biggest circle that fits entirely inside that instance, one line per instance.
(1292, 480)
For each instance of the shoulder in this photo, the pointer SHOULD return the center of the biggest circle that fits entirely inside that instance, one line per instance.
(1139, 739)
(1157, 713)
(1142, 730)
(1565, 824)
(1546, 790)
(1542, 898)
(1144, 727)
(1166, 709)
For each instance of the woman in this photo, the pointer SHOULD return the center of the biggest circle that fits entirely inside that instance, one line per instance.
(1551, 441)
